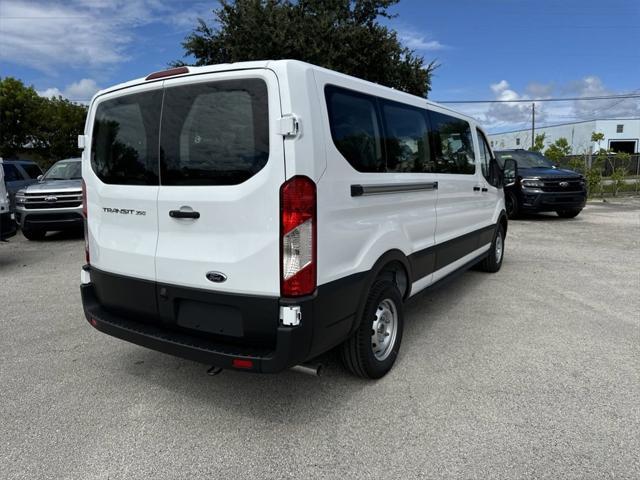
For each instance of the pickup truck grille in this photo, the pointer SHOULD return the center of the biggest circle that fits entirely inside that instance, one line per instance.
(52, 200)
(562, 185)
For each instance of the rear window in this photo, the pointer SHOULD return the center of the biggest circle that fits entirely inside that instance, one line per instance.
(124, 147)
(32, 170)
(214, 133)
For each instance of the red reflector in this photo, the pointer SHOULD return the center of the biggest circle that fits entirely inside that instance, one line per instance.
(168, 73)
(242, 363)
(93, 322)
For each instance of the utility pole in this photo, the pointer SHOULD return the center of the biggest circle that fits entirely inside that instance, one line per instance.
(533, 124)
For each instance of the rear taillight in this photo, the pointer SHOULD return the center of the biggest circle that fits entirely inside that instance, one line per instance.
(298, 237)
(86, 222)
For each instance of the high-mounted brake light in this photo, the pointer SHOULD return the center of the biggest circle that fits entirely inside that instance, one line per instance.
(168, 73)
(298, 237)
(85, 214)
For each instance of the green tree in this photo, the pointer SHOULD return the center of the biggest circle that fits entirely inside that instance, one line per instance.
(538, 143)
(45, 127)
(597, 137)
(558, 150)
(343, 35)
(19, 115)
(57, 132)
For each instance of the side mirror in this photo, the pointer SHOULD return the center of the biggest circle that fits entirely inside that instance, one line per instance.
(509, 172)
(40, 177)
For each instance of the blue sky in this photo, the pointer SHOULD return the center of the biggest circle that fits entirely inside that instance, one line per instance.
(490, 49)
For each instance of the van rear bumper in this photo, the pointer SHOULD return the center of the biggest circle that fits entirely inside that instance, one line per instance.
(150, 314)
(291, 348)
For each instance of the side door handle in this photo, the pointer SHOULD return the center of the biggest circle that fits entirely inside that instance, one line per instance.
(484, 189)
(183, 214)
(476, 189)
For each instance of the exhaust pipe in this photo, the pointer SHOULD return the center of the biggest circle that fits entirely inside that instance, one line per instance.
(315, 369)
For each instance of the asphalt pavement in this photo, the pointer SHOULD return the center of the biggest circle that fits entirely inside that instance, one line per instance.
(533, 372)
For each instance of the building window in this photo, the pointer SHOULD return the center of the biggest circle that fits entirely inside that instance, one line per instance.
(517, 141)
(619, 128)
(491, 143)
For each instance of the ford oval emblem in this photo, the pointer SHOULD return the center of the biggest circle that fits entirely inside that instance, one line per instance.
(216, 277)
(564, 184)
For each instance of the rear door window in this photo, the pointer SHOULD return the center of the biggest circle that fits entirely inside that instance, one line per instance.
(125, 139)
(214, 133)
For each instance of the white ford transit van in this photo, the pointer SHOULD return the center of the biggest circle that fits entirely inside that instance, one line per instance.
(255, 215)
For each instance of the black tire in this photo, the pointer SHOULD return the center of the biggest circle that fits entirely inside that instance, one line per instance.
(493, 261)
(33, 234)
(511, 205)
(569, 212)
(357, 352)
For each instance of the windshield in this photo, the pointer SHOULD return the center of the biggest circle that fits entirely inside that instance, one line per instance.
(525, 159)
(65, 170)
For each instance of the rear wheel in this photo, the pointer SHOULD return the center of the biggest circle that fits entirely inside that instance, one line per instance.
(372, 350)
(569, 213)
(511, 204)
(33, 234)
(493, 261)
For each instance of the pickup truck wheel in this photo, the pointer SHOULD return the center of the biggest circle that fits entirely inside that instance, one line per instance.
(511, 204)
(33, 234)
(493, 261)
(372, 350)
(569, 213)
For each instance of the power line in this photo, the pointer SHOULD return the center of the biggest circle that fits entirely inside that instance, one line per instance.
(566, 99)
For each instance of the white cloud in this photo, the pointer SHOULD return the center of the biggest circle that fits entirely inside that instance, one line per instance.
(509, 116)
(47, 35)
(80, 91)
(419, 41)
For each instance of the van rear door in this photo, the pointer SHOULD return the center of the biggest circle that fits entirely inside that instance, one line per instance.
(120, 172)
(221, 168)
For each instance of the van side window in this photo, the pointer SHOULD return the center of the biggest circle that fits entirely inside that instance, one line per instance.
(124, 148)
(407, 138)
(355, 129)
(214, 133)
(484, 154)
(453, 144)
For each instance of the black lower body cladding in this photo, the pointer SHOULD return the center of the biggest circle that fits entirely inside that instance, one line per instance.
(221, 328)
(217, 328)
(551, 201)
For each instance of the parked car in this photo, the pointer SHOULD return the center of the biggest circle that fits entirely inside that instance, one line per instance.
(53, 203)
(254, 215)
(535, 184)
(7, 223)
(19, 174)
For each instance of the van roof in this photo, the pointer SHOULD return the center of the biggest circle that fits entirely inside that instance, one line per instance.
(278, 65)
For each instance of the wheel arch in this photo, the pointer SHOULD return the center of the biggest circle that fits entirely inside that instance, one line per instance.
(393, 263)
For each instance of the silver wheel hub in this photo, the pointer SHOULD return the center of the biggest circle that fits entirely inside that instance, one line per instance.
(384, 329)
(499, 248)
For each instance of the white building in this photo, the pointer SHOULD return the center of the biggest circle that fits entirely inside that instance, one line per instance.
(622, 135)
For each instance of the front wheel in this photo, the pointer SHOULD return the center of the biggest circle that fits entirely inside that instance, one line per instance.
(511, 205)
(33, 234)
(569, 213)
(493, 261)
(372, 350)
